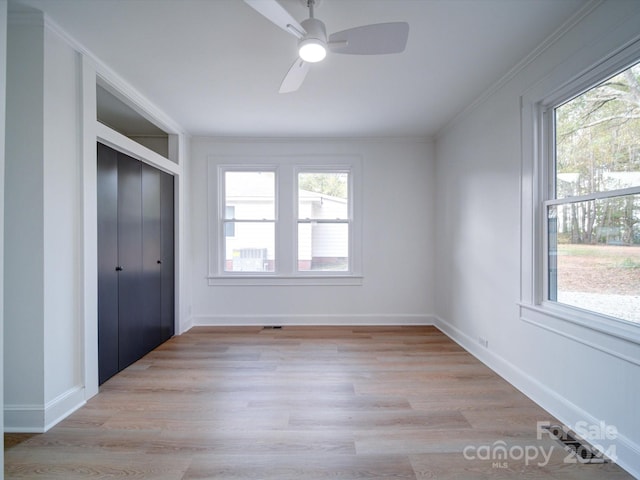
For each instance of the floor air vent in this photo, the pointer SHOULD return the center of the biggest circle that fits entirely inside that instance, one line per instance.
(272, 327)
(584, 452)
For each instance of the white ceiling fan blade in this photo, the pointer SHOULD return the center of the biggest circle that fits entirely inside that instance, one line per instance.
(277, 14)
(295, 76)
(376, 39)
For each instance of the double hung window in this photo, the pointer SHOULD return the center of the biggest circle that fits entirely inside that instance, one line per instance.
(324, 221)
(249, 220)
(285, 221)
(592, 204)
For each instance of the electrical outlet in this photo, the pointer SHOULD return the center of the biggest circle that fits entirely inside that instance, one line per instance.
(483, 341)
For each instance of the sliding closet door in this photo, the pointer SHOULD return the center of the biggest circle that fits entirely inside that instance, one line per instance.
(130, 286)
(107, 260)
(136, 272)
(151, 258)
(167, 306)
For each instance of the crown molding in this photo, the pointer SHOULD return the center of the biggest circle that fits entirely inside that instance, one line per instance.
(336, 140)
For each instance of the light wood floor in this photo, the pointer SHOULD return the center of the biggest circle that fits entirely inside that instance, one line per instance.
(299, 403)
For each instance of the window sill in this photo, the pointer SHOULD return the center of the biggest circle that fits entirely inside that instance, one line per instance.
(614, 337)
(280, 280)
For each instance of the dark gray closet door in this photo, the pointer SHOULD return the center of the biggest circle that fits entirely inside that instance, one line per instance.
(167, 219)
(136, 272)
(151, 258)
(167, 308)
(130, 291)
(107, 190)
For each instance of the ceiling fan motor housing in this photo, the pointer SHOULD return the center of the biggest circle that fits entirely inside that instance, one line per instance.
(316, 38)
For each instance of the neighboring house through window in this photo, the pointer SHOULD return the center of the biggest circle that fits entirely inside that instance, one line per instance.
(248, 200)
(285, 220)
(324, 221)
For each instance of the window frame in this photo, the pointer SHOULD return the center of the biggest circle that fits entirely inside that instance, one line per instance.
(298, 169)
(537, 191)
(223, 220)
(229, 232)
(550, 179)
(286, 169)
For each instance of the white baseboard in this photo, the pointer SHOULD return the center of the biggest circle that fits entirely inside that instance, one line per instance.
(185, 326)
(627, 451)
(40, 418)
(313, 320)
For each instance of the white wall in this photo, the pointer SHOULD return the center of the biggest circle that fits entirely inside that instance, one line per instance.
(24, 237)
(478, 252)
(398, 240)
(62, 253)
(50, 231)
(183, 238)
(3, 64)
(42, 268)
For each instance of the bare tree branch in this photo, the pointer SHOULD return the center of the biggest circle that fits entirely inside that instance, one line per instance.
(624, 118)
(634, 86)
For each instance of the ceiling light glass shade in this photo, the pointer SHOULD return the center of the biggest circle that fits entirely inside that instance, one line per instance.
(312, 50)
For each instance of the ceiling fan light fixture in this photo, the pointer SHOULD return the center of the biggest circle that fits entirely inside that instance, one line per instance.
(312, 47)
(312, 50)
(313, 42)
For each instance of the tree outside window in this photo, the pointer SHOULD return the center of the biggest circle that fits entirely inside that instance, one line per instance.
(594, 213)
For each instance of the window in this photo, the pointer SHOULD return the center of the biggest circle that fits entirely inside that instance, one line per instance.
(249, 221)
(285, 220)
(592, 207)
(323, 221)
(230, 227)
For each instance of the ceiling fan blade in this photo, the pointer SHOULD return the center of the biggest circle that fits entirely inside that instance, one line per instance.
(277, 14)
(376, 39)
(295, 76)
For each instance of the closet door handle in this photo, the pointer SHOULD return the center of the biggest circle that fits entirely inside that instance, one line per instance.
(119, 268)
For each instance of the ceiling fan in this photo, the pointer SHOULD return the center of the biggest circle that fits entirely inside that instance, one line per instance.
(313, 43)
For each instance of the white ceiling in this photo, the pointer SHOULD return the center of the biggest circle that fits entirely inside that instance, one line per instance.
(215, 66)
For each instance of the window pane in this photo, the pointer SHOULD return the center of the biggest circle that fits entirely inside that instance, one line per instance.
(598, 137)
(230, 212)
(323, 195)
(323, 247)
(249, 195)
(594, 256)
(251, 249)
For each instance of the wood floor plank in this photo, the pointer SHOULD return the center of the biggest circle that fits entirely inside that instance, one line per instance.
(253, 442)
(287, 467)
(298, 403)
(58, 465)
(447, 466)
(336, 402)
(393, 420)
(414, 442)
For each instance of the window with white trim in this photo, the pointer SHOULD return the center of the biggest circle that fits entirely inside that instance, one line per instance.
(285, 220)
(592, 201)
(324, 220)
(248, 199)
